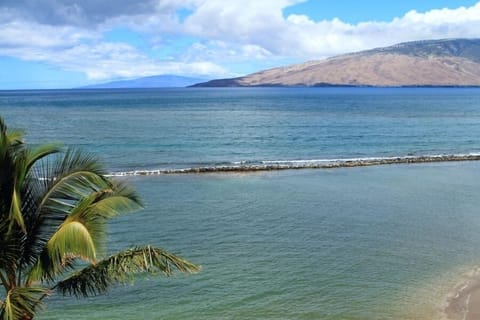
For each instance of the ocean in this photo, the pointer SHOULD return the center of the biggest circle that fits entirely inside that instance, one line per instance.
(378, 242)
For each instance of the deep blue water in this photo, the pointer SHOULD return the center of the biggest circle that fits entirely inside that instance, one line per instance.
(386, 242)
(154, 129)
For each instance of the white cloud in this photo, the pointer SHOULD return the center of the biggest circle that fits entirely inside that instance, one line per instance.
(104, 61)
(76, 48)
(247, 22)
(263, 25)
(223, 52)
(227, 32)
(21, 33)
(72, 50)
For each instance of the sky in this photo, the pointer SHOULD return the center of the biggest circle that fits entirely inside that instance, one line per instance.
(46, 44)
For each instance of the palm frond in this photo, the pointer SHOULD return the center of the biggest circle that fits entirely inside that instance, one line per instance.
(40, 152)
(16, 212)
(83, 232)
(12, 160)
(72, 240)
(10, 140)
(72, 175)
(73, 160)
(20, 303)
(10, 249)
(107, 203)
(55, 189)
(45, 271)
(15, 137)
(96, 278)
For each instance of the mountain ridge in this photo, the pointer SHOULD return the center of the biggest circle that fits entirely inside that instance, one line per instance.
(444, 62)
(159, 81)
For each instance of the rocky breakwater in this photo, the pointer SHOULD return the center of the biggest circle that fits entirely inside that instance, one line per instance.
(297, 165)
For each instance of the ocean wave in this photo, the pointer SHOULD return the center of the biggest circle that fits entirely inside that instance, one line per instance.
(271, 165)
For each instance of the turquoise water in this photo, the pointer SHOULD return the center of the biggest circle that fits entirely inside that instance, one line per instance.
(173, 128)
(385, 242)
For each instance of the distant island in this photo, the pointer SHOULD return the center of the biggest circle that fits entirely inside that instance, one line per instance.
(448, 62)
(160, 81)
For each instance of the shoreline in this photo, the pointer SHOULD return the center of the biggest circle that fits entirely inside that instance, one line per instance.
(299, 164)
(464, 303)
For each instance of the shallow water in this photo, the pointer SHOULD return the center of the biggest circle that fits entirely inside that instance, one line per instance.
(360, 243)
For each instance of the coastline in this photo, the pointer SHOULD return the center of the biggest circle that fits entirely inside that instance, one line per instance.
(307, 164)
(464, 303)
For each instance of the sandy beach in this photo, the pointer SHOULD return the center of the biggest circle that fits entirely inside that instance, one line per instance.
(464, 304)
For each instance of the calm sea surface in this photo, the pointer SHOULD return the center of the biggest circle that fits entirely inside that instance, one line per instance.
(385, 242)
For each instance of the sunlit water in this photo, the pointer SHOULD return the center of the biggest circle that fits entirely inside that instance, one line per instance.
(385, 242)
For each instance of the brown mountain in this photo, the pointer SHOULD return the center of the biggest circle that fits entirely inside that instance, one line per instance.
(452, 62)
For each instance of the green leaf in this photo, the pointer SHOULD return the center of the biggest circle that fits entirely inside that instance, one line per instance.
(40, 152)
(15, 211)
(71, 239)
(83, 232)
(57, 188)
(96, 278)
(20, 303)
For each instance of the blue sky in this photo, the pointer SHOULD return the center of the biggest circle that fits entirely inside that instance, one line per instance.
(70, 43)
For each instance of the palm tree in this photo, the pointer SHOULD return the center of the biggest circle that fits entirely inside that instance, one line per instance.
(53, 212)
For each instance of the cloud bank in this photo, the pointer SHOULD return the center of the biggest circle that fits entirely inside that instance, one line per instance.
(202, 37)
